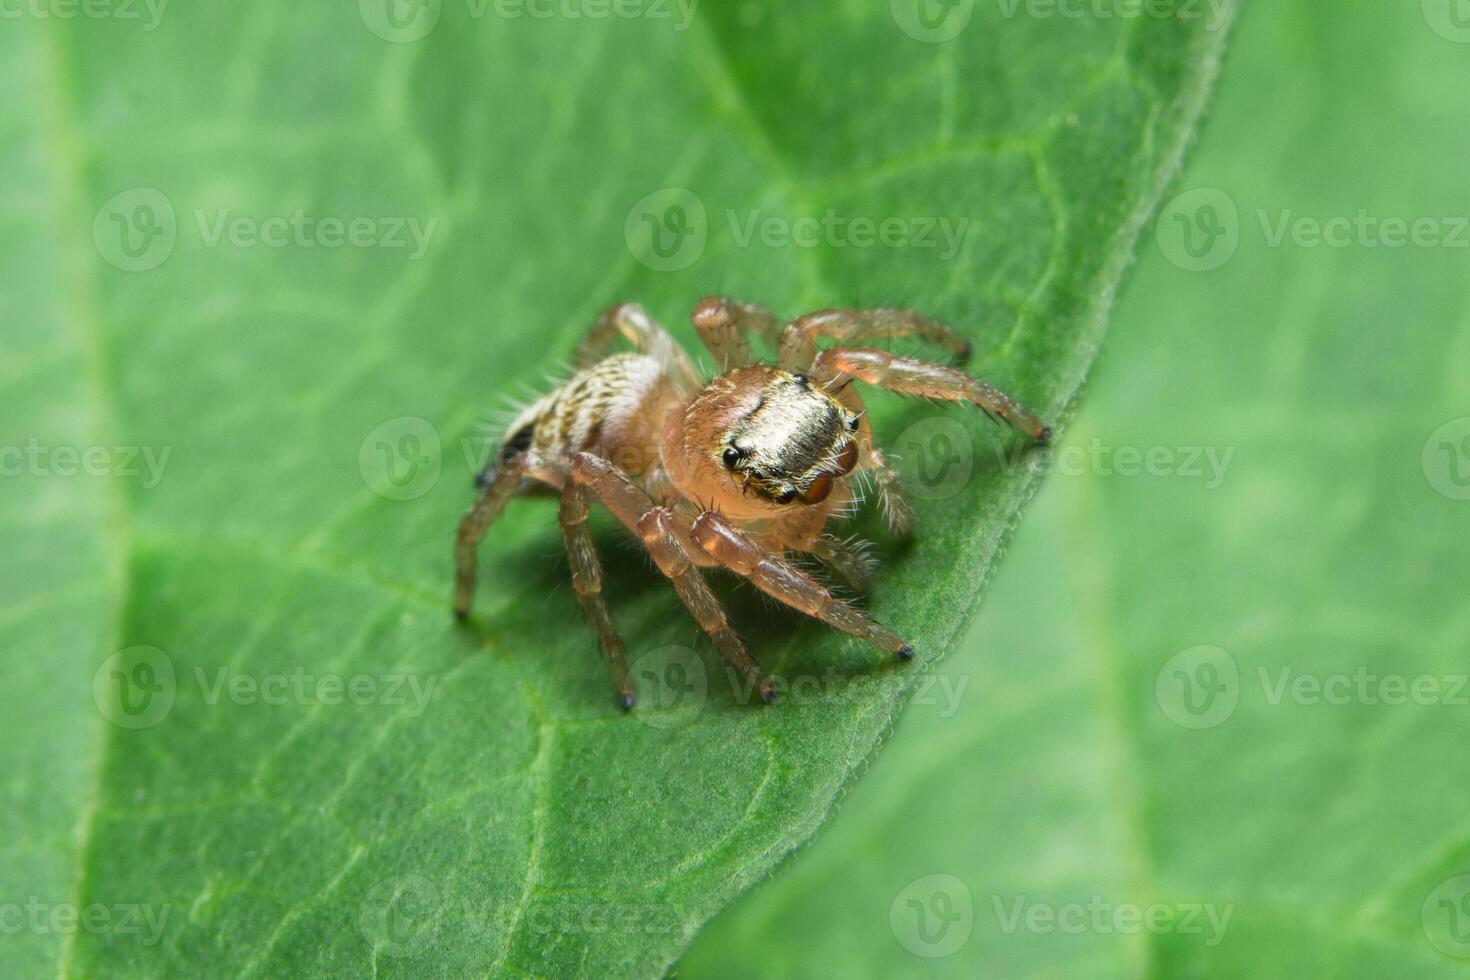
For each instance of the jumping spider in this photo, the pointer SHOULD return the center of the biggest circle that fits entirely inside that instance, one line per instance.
(734, 473)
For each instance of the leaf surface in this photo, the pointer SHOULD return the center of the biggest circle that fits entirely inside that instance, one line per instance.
(477, 804)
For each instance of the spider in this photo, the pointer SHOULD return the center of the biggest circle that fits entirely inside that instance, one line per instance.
(736, 473)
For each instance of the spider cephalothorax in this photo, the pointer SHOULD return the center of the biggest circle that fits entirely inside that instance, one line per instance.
(758, 439)
(735, 473)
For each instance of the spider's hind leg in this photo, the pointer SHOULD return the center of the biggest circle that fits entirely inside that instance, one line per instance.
(587, 583)
(494, 490)
(633, 323)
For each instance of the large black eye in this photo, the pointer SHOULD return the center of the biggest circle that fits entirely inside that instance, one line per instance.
(731, 457)
(786, 496)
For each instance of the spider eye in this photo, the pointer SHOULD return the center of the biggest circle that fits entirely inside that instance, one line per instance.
(786, 496)
(730, 457)
(852, 423)
(801, 379)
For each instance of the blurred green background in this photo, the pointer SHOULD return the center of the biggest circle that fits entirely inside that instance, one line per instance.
(1322, 820)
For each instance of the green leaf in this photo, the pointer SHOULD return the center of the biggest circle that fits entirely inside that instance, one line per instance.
(1323, 826)
(185, 775)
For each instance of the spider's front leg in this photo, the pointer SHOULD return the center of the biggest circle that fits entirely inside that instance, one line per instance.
(909, 376)
(663, 535)
(799, 339)
(725, 326)
(788, 584)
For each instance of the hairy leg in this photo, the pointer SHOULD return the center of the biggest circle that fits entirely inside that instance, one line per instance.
(799, 339)
(664, 535)
(725, 326)
(494, 491)
(632, 322)
(587, 582)
(896, 510)
(657, 528)
(909, 376)
(850, 558)
(788, 584)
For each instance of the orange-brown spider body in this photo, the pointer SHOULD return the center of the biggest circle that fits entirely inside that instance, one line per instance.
(736, 473)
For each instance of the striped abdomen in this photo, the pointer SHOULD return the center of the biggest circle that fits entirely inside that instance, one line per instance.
(614, 409)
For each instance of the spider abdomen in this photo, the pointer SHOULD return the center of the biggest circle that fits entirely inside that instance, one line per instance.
(612, 409)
